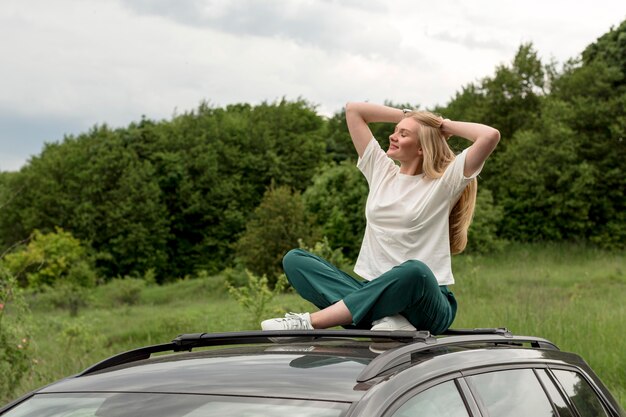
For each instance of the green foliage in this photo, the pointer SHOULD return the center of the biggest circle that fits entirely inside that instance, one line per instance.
(125, 291)
(324, 250)
(595, 91)
(15, 352)
(558, 172)
(609, 48)
(172, 195)
(56, 264)
(337, 199)
(255, 297)
(509, 100)
(235, 277)
(175, 196)
(49, 259)
(552, 197)
(219, 164)
(277, 224)
(79, 336)
(66, 296)
(571, 185)
(558, 291)
(482, 235)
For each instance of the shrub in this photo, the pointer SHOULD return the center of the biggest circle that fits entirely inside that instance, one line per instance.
(256, 296)
(49, 258)
(125, 291)
(482, 235)
(337, 200)
(324, 250)
(15, 355)
(56, 264)
(277, 224)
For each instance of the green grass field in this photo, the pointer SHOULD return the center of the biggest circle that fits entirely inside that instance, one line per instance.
(572, 295)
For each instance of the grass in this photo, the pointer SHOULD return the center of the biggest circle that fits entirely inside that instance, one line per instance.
(572, 295)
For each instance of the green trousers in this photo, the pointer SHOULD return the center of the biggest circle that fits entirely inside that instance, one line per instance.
(410, 289)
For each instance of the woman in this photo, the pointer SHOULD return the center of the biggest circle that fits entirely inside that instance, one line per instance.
(417, 215)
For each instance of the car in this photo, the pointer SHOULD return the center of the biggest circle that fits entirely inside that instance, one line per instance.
(332, 373)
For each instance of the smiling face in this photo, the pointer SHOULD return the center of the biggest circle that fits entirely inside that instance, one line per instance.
(404, 143)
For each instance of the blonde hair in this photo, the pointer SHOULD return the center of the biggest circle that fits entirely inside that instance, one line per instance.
(437, 156)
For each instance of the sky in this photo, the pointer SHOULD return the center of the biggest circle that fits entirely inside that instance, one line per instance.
(68, 65)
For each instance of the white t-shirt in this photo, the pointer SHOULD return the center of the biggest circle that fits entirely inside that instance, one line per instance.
(407, 215)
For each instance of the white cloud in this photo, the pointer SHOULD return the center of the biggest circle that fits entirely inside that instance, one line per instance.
(329, 25)
(83, 62)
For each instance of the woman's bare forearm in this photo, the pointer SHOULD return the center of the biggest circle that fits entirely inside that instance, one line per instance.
(470, 131)
(372, 113)
(358, 115)
(485, 140)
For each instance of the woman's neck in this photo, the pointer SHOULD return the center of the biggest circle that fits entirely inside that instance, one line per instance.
(411, 167)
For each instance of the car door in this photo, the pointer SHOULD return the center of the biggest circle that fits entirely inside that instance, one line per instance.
(505, 392)
(537, 392)
(438, 398)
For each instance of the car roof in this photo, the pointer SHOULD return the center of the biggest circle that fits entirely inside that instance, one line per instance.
(330, 365)
(322, 371)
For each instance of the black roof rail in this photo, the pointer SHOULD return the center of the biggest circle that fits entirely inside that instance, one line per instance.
(416, 341)
(459, 337)
(187, 342)
(479, 330)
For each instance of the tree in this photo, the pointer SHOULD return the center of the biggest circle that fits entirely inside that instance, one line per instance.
(337, 199)
(509, 100)
(48, 259)
(53, 261)
(568, 169)
(214, 166)
(15, 355)
(275, 228)
(482, 234)
(172, 196)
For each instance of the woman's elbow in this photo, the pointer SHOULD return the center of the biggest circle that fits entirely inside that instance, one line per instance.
(494, 136)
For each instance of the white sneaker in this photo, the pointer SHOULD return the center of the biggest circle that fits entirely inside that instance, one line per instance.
(396, 322)
(292, 321)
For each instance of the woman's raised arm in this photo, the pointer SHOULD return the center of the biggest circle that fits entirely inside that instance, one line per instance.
(358, 115)
(485, 139)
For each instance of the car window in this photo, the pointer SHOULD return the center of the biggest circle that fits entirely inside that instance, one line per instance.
(169, 405)
(554, 394)
(442, 400)
(512, 393)
(582, 395)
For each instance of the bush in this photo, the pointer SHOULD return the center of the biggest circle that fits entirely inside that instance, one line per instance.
(15, 355)
(56, 264)
(337, 200)
(65, 296)
(256, 296)
(482, 235)
(50, 258)
(277, 224)
(235, 277)
(324, 250)
(125, 291)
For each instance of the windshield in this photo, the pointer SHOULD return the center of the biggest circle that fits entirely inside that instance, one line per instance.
(170, 405)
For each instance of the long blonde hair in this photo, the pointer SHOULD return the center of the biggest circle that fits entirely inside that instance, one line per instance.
(437, 155)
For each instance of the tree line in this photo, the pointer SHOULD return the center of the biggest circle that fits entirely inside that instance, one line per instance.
(219, 187)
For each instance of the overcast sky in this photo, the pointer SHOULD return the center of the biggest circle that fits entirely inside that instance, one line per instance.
(68, 65)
